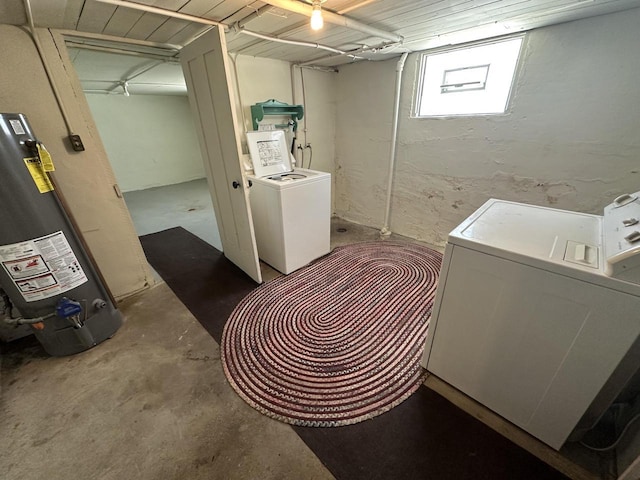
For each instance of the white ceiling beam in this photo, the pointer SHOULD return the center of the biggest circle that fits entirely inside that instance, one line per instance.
(334, 18)
(119, 51)
(120, 40)
(253, 15)
(162, 11)
(355, 7)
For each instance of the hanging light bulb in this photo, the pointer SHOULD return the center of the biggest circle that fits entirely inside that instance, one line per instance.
(316, 16)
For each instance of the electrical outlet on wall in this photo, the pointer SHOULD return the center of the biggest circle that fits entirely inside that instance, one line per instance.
(76, 143)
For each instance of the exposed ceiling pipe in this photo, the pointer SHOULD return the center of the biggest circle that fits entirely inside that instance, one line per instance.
(234, 62)
(47, 68)
(124, 82)
(292, 28)
(355, 53)
(207, 21)
(126, 79)
(142, 70)
(252, 16)
(101, 37)
(286, 31)
(110, 91)
(295, 42)
(162, 11)
(334, 18)
(318, 68)
(94, 90)
(119, 51)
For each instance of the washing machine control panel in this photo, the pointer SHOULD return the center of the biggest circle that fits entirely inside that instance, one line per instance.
(621, 237)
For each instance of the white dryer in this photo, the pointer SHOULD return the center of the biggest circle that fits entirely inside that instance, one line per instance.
(291, 208)
(536, 313)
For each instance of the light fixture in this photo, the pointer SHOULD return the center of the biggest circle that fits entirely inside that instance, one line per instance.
(316, 16)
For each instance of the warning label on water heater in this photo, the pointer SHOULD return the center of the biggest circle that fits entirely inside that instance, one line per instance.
(42, 267)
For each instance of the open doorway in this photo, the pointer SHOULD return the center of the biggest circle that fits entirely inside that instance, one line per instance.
(140, 106)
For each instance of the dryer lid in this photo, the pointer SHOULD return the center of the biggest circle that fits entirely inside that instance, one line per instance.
(269, 152)
(540, 233)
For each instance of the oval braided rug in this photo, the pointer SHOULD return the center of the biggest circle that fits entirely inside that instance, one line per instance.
(338, 341)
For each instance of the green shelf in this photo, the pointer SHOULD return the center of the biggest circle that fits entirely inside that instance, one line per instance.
(274, 107)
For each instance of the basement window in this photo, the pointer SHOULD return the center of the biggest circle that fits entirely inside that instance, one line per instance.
(468, 81)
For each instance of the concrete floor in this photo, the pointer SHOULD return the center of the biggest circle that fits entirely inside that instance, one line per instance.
(187, 205)
(150, 403)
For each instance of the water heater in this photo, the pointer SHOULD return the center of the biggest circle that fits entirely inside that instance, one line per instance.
(46, 278)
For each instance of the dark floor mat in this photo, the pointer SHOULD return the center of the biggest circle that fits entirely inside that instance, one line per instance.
(425, 437)
(200, 275)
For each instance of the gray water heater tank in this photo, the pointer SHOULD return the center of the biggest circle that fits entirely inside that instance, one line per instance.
(44, 271)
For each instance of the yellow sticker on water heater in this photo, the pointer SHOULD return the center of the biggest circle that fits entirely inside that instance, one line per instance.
(45, 158)
(40, 178)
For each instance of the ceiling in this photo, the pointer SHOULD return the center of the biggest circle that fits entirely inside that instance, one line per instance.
(107, 72)
(421, 24)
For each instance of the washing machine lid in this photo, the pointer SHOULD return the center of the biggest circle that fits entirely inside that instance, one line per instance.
(539, 235)
(296, 177)
(269, 152)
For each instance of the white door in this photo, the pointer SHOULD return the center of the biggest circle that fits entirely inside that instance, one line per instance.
(204, 62)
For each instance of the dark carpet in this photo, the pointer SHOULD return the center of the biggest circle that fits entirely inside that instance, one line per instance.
(200, 275)
(425, 437)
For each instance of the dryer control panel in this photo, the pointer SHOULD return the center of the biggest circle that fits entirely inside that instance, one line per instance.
(621, 237)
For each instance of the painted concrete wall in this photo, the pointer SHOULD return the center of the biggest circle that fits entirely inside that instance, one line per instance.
(318, 128)
(150, 139)
(569, 140)
(261, 79)
(104, 220)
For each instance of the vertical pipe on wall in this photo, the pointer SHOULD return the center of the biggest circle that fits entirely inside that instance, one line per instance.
(45, 65)
(293, 102)
(394, 140)
(304, 105)
(293, 84)
(234, 61)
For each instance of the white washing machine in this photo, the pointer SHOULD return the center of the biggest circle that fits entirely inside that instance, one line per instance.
(536, 314)
(291, 208)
